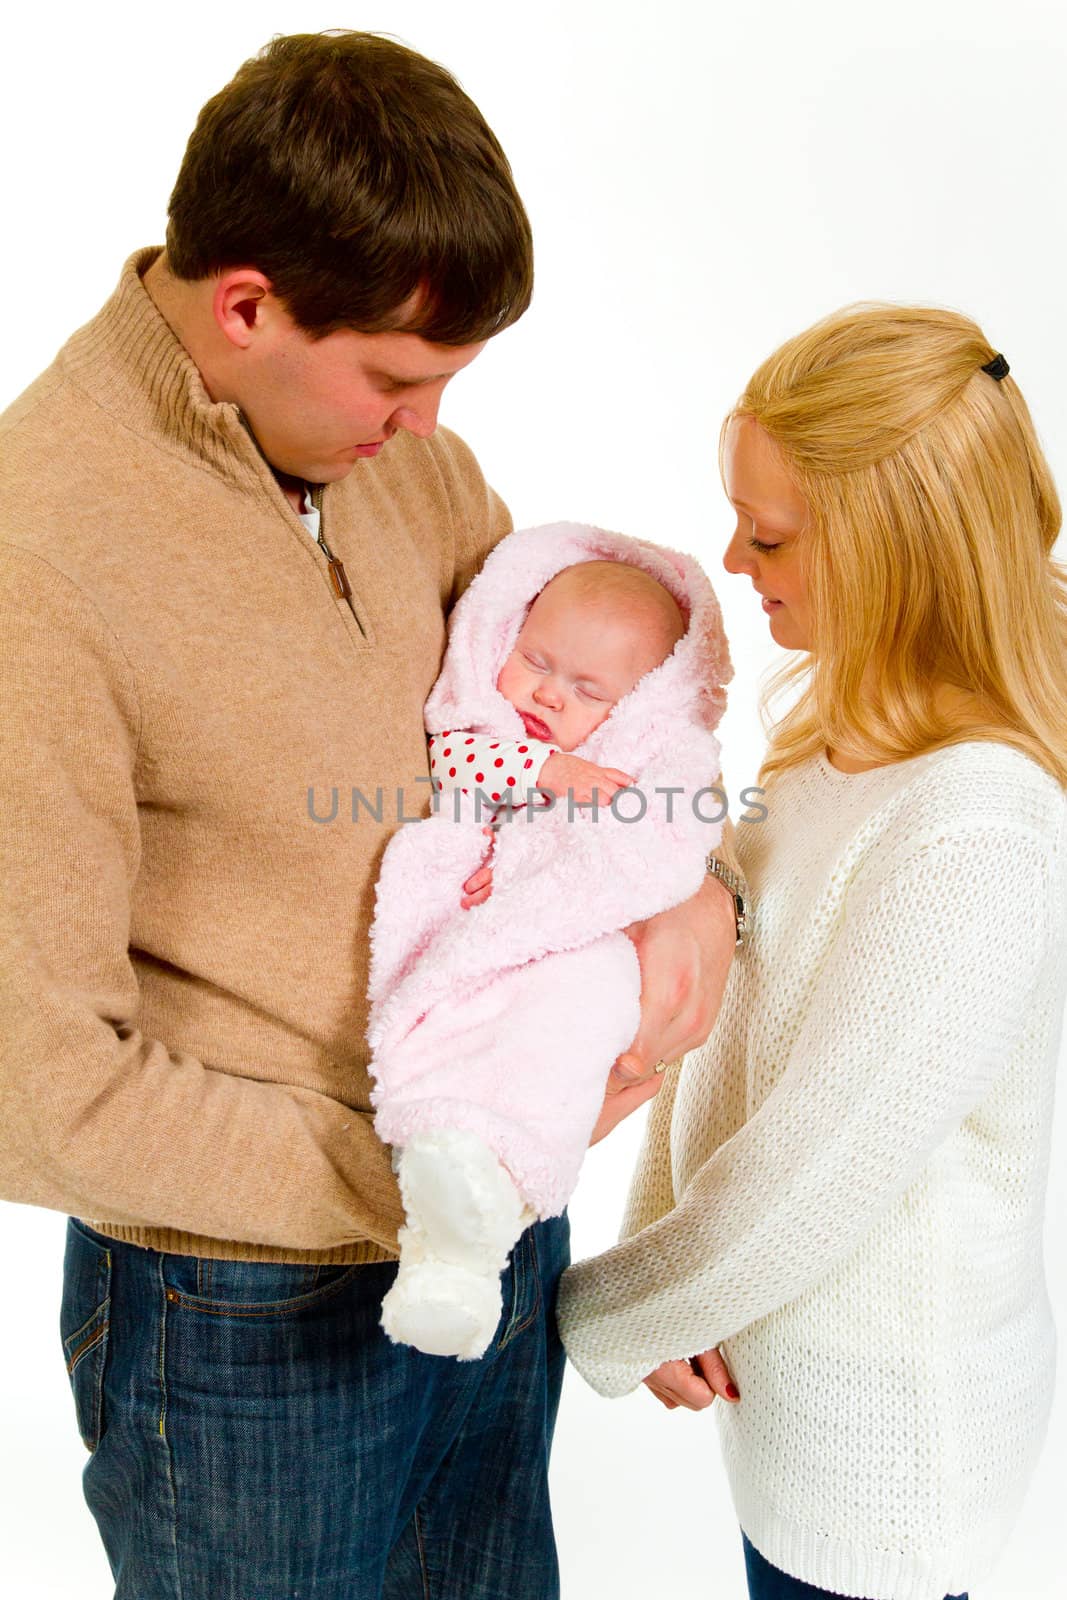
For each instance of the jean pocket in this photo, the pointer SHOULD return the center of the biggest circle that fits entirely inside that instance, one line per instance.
(84, 1321)
(254, 1289)
(526, 1288)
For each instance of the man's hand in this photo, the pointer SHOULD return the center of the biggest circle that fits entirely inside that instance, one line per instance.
(693, 1384)
(618, 1104)
(685, 956)
(584, 779)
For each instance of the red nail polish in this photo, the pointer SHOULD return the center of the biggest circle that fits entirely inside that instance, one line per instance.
(733, 1392)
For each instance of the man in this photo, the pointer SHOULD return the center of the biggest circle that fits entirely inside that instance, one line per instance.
(233, 535)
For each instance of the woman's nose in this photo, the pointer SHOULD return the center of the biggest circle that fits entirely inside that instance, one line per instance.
(737, 558)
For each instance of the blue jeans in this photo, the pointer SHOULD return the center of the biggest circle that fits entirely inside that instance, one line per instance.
(768, 1583)
(255, 1436)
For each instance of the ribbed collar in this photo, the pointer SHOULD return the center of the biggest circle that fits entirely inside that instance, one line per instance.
(131, 363)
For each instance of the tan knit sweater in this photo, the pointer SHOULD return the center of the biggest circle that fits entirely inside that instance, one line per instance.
(183, 947)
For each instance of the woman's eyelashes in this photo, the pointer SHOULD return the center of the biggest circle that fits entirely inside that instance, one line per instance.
(762, 547)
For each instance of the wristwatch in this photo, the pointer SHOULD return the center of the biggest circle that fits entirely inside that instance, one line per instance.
(738, 888)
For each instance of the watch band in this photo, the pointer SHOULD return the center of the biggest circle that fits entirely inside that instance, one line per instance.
(738, 888)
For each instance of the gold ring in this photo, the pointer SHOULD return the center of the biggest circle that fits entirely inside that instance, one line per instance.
(661, 1066)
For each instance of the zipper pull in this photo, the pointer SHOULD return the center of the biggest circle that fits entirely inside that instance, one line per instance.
(336, 567)
(339, 578)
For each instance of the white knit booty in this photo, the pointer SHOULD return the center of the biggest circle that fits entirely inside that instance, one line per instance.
(464, 1213)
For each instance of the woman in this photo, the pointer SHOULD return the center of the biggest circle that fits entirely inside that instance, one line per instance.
(844, 1187)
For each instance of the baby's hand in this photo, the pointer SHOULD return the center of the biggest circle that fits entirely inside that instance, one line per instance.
(477, 889)
(479, 886)
(562, 772)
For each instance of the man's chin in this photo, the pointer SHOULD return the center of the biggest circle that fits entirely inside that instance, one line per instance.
(319, 471)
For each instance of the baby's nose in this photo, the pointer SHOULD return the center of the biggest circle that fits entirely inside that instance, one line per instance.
(546, 694)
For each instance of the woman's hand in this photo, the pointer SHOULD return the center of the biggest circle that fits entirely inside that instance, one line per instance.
(563, 774)
(694, 1383)
(685, 957)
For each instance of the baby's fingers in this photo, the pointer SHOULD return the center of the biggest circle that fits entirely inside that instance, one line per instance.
(477, 889)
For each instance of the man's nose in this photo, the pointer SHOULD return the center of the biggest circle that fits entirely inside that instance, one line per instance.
(418, 416)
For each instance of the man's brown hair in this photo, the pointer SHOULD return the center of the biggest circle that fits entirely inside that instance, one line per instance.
(363, 182)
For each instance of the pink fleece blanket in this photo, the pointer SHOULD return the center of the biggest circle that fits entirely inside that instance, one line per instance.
(504, 1020)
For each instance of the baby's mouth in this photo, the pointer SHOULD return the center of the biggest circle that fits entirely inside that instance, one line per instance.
(536, 728)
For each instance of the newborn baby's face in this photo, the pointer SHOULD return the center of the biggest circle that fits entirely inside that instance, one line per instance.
(573, 660)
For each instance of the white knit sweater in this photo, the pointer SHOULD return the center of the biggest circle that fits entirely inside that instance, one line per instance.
(845, 1185)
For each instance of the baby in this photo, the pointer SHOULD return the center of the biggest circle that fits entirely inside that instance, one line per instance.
(589, 636)
(493, 1028)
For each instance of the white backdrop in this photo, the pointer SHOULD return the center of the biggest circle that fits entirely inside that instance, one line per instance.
(704, 178)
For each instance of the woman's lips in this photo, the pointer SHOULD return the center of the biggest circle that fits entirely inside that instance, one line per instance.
(772, 605)
(536, 728)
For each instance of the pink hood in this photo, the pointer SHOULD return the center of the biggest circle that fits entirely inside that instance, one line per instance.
(486, 621)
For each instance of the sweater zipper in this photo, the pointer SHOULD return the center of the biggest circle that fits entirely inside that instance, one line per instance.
(338, 576)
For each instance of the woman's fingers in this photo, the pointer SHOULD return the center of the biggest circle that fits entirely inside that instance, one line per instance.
(717, 1373)
(676, 1383)
(661, 1395)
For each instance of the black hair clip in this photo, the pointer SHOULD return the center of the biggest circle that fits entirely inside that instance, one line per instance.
(997, 368)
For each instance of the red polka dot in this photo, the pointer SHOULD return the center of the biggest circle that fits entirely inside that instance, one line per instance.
(499, 762)
(468, 741)
(495, 797)
(464, 791)
(446, 733)
(451, 772)
(494, 747)
(527, 764)
(523, 749)
(447, 752)
(472, 758)
(511, 780)
(479, 777)
(433, 764)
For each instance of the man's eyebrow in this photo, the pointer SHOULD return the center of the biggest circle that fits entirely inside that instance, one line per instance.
(401, 381)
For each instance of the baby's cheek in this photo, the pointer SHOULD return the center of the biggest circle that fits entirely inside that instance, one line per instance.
(505, 682)
(596, 715)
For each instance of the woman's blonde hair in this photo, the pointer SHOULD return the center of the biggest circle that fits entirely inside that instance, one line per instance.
(932, 518)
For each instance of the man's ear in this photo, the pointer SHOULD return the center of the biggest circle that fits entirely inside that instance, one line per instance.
(241, 304)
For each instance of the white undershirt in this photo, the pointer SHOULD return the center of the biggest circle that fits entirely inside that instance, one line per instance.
(309, 514)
